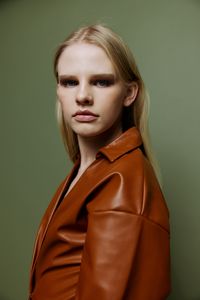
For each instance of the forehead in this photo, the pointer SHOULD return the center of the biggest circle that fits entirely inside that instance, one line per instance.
(84, 57)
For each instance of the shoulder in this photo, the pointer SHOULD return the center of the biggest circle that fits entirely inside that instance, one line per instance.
(129, 184)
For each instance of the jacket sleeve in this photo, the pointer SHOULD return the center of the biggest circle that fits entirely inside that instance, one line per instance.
(126, 256)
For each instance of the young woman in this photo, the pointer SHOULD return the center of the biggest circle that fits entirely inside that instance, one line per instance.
(105, 234)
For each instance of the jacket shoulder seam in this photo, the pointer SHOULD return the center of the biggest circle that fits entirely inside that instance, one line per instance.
(134, 214)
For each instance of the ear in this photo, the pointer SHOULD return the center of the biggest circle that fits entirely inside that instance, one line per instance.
(131, 94)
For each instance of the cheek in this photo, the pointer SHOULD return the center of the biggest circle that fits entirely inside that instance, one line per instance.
(111, 110)
(114, 102)
(61, 97)
(62, 94)
(64, 100)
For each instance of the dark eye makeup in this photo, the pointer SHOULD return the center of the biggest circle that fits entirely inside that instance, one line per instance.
(103, 82)
(99, 82)
(68, 82)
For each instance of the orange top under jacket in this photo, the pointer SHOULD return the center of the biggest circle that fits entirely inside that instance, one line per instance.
(109, 237)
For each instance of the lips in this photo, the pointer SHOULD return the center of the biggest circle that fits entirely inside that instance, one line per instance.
(85, 116)
(85, 112)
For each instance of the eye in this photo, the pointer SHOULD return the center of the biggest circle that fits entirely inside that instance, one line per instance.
(103, 82)
(68, 82)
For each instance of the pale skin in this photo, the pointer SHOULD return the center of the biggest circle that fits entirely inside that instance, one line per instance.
(87, 80)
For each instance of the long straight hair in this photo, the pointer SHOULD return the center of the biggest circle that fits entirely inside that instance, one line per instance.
(125, 66)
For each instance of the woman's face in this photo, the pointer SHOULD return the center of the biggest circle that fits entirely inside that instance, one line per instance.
(87, 81)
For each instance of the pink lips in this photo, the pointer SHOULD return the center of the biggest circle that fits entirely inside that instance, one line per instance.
(85, 116)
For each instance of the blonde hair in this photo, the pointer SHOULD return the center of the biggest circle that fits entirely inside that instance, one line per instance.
(125, 66)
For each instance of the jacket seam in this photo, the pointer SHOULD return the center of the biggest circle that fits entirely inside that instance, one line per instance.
(134, 214)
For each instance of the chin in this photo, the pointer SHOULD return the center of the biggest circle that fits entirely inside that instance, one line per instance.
(85, 130)
(87, 133)
(88, 130)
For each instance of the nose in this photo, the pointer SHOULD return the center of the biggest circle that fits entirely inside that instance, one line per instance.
(84, 95)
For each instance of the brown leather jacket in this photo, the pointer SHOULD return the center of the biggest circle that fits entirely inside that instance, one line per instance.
(108, 238)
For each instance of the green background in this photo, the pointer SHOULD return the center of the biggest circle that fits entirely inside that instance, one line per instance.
(165, 39)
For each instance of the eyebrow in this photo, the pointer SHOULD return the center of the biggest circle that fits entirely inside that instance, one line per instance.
(105, 75)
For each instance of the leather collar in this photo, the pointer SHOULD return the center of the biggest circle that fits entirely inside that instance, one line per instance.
(127, 141)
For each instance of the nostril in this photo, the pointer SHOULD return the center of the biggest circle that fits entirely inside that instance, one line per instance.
(84, 99)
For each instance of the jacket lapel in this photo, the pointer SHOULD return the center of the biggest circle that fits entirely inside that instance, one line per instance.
(49, 214)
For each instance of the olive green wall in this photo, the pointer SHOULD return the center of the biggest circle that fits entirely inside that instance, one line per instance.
(165, 38)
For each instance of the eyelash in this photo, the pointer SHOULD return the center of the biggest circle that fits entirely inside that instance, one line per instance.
(65, 82)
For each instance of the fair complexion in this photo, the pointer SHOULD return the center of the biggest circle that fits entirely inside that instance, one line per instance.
(87, 80)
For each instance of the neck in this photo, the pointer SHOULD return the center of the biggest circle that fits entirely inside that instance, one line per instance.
(89, 146)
